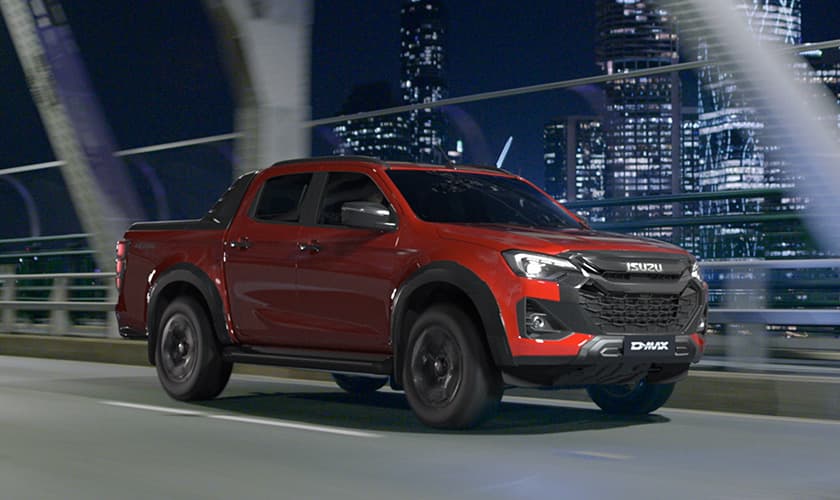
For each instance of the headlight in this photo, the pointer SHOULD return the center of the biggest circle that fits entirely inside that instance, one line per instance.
(695, 271)
(537, 266)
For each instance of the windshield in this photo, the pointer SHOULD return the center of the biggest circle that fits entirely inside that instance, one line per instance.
(475, 198)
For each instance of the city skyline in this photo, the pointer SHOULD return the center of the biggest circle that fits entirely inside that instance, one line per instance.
(719, 147)
(157, 71)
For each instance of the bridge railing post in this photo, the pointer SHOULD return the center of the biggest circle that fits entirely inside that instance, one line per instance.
(9, 318)
(110, 317)
(59, 318)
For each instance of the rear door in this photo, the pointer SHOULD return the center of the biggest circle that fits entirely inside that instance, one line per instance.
(346, 276)
(261, 254)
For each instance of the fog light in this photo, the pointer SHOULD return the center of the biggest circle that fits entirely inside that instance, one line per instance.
(538, 322)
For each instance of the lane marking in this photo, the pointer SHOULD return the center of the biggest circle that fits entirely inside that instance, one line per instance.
(295, 425)
(770, 377)
(159, 409)
(751, 416)
(665, 411)
(600, 454)
(567, 403)
(249, 420)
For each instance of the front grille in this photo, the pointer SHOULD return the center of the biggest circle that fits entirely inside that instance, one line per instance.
(616, 312)
(618, 276)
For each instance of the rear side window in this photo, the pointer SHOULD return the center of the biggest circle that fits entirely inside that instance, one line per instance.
(226, 206)
(343, 187)
(281, 198)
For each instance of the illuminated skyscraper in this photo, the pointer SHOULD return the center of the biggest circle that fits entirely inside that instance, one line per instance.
(573, 154)
(823, 72)
(384, 137)
(737, 152)
(641, 140)
(423, 63)
(691, 163)
(555, 159)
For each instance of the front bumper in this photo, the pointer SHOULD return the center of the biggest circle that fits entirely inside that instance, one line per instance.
(609, 349)
(583, 319)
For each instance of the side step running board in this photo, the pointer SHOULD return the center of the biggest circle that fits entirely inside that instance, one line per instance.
(334, 361)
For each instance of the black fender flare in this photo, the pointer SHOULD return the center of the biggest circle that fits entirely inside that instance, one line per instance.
(473, 287)
(194, 276)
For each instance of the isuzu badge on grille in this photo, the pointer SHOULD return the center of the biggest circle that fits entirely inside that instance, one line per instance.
(644, 267)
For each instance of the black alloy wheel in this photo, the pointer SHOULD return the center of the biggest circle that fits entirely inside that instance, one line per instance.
(188, 358)
(449, 378)
(436, 365)
(179, 342)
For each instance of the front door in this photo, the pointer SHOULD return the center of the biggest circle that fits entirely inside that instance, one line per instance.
(346, 276)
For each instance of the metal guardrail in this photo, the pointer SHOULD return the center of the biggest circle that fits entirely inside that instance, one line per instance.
(58, 303)
(810, 317)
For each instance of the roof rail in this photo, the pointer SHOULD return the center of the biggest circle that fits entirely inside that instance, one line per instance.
(321, 159)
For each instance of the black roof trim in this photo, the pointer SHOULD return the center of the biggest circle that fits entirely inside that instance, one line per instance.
(322, 159)
(457, 166)
(383, 163)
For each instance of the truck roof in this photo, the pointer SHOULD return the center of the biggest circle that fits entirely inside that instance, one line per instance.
(376, 162)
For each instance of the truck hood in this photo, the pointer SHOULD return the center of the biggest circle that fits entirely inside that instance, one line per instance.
(505, 237)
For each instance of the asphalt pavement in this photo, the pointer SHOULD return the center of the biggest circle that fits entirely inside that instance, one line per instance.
(90, 430)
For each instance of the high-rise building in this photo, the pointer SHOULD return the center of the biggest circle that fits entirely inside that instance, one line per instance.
(384, 137)
(690, 166)
(736, 149)
(555, 159)
(641, 140)
(574, 152)
(423, 77)
(823, 72)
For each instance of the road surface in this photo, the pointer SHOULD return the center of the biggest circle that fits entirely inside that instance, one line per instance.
(88, 430)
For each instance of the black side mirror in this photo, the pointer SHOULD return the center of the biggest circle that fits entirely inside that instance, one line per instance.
(367, 215)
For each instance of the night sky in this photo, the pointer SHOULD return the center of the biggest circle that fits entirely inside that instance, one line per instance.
(156, 70)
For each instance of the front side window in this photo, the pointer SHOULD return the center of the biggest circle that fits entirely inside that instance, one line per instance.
(343, 187)
(475, 198)
(281, 198)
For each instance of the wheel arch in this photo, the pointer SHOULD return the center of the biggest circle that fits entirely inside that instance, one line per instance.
(446, 281)
(178, 280)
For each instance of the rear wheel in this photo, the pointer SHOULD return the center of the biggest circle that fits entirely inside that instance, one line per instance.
(633, 399)
(449, 379)
(188, 359)
(357, 384)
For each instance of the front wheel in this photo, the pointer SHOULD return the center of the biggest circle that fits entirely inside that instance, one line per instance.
(449, 380)
(640, 398)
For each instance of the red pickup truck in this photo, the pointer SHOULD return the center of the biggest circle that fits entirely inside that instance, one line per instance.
(450, 282)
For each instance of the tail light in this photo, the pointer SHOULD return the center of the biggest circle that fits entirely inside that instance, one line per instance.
(122, 251)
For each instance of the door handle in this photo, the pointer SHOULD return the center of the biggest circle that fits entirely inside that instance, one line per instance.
(243, 243)
(313, 246)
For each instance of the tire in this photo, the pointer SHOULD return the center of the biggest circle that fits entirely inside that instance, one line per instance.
(448, 377)
(359, 384)
(639, 399)
(188, 359)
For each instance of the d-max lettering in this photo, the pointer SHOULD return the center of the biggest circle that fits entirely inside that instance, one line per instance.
(659, 345)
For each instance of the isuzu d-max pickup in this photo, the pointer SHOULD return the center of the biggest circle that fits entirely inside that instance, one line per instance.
(450, 282)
